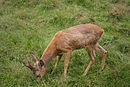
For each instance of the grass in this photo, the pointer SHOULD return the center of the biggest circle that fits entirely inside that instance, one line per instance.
(27, 26)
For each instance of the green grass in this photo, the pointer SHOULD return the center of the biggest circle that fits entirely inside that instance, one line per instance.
(27, 26)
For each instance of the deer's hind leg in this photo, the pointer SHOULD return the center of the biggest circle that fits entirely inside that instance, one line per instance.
(103, 53)
(92, 59)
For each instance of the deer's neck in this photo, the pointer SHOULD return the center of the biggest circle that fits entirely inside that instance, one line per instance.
(48, 54)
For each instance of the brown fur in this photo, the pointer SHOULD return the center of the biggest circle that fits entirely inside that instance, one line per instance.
(76, 37)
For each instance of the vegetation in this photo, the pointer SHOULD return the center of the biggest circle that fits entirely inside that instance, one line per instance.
(27, 26)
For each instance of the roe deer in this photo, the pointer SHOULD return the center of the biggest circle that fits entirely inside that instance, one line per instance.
(64, 42)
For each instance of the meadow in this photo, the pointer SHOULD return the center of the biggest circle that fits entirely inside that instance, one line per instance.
(27, 26)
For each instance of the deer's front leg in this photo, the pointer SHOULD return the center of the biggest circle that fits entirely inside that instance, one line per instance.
(66, 61)
(56, 63)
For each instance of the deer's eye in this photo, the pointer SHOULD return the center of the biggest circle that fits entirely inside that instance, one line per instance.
(41, 63)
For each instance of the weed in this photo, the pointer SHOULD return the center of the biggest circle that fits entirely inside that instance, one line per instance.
(27, 26)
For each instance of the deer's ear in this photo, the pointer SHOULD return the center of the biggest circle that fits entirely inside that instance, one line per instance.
(29, 66)
(41, 63)
(34, 58)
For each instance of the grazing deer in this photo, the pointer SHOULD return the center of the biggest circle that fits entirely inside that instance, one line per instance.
(65, 42)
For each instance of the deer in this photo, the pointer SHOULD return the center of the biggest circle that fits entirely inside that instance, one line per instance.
(64, 42)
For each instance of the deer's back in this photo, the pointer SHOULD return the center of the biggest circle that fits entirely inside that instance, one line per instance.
(79, 36)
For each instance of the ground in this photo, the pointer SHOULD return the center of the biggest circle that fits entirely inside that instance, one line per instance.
(27, 26)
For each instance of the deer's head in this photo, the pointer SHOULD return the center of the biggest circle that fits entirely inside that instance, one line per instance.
(38, 68)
